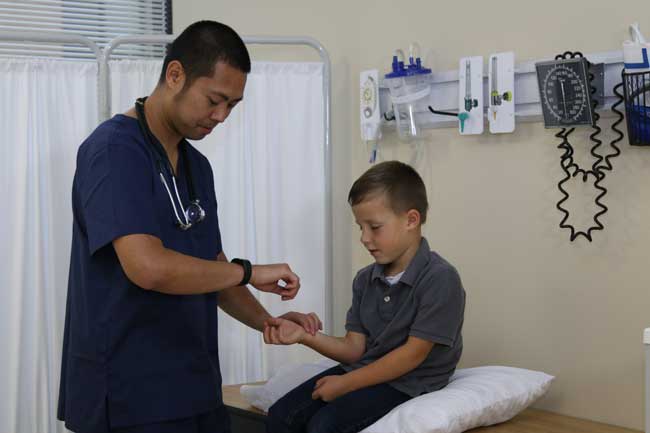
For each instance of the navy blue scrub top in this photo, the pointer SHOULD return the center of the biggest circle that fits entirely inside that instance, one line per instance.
(134, 356)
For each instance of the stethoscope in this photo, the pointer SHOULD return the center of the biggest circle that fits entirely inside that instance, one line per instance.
(194, 213)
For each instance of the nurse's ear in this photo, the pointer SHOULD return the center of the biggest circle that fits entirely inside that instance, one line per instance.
(175, 76)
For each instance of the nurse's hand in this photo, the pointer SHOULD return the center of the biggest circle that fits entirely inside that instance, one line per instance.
(282, 331)
(309, 322)
(278, 279)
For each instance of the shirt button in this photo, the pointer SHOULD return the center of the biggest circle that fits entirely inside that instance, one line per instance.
(386, 298)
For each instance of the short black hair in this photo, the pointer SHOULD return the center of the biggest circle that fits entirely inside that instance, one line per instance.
(400, 182)
(201, 45)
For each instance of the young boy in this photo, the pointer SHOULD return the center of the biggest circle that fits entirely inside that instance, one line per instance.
(403, 328)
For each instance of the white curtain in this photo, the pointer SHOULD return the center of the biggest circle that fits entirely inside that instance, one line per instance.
(269, 174)
(46, 109)
(268, 165)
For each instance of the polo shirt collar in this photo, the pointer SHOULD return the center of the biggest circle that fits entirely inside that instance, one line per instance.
(418, 262)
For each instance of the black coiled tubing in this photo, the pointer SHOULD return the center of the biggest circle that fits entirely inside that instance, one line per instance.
(600, 166)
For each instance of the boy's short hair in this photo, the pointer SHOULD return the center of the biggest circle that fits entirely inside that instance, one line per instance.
(402, 185)
(201, 45)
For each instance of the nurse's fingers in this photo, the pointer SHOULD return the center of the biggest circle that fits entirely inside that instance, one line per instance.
(292, 280)
(287, 293)
(267, 334)
(317, 321)
(311, 324)
(273, 321)
(285, 290)
(264, 275)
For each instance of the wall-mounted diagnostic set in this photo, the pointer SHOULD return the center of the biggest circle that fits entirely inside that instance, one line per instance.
(568, 92)
(570, 89)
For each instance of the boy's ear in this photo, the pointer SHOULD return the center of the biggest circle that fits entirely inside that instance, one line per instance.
(412, 218)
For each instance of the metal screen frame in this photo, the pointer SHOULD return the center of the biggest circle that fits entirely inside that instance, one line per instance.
(104, 109)
(57, 38)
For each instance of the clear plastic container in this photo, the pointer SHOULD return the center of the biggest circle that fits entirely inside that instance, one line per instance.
(408, 94)
(409, 87)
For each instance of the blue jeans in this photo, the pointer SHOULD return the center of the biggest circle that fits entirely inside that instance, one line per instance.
(296, 412)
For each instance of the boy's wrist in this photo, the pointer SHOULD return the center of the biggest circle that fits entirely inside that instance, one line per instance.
(349, 382)
(305, 338)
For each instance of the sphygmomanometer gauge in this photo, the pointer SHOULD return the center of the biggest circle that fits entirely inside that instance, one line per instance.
(565, 92)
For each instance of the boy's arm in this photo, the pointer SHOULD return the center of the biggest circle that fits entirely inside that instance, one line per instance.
(394, 364)
(346, 349)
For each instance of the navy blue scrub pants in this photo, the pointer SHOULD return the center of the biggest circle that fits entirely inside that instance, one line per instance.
(216, 421)
(296, 412)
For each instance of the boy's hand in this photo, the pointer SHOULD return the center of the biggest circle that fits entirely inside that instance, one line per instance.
(310, 322)
(278, 279)
(282, 331)
(329, 388)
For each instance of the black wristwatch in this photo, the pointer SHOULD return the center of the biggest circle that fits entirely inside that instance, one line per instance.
(248, 270)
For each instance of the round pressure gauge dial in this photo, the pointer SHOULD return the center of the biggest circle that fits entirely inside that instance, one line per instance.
(565, 92)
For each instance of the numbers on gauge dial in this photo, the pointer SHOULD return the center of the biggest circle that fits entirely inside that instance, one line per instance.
(565, 94)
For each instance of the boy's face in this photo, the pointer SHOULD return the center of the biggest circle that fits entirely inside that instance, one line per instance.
(385, 234)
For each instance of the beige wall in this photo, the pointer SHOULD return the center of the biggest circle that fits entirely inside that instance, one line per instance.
(535, 300)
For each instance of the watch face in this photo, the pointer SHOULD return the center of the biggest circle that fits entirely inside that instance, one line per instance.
(565, 92)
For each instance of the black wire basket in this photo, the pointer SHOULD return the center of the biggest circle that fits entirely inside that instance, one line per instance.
(637, 107)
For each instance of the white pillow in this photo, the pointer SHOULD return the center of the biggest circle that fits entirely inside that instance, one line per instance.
(475, 397)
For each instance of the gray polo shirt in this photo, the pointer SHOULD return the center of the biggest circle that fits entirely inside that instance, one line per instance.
(428, 302)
